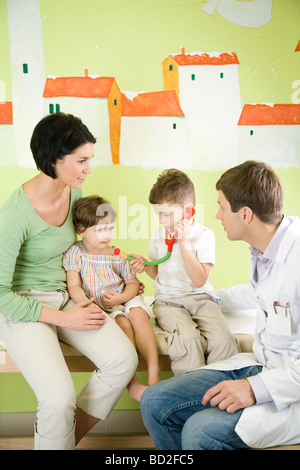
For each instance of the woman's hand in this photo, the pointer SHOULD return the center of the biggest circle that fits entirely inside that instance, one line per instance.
(83, 316)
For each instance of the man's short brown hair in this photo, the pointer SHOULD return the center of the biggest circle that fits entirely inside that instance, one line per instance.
(172, 186)
(255, 185)
(89, 211)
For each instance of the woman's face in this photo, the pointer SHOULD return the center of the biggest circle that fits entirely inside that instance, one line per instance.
(74, 167)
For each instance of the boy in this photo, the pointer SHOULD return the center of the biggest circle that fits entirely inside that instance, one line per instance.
(185, 305)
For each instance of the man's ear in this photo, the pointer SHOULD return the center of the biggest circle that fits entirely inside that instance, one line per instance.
(246, 214)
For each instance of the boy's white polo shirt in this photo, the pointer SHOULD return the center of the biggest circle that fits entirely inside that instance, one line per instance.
(172, 279)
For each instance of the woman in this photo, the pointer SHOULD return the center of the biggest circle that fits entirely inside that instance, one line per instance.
(36, 228)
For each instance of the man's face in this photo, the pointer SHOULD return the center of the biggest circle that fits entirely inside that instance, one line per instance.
(231, 221)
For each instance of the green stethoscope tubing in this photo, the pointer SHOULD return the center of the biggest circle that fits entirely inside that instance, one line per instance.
(153, 263)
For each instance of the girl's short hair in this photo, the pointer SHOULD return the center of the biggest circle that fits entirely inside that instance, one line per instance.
(172, 186)
(56, 136)
(255, 185)
(89, 211)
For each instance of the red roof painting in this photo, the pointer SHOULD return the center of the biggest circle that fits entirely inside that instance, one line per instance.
(297, 47)
(80, 87)
(6, 112)
(160, 103)
(206, 58)
(264, 115)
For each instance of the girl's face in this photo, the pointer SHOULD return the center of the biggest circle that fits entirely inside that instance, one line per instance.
(74, 168)
(98, 236)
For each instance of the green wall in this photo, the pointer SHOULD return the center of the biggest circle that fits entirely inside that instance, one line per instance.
(129, 40)
(232, 265)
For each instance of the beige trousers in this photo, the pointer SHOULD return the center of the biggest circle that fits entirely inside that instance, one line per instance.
(35, 348)
(195, 330)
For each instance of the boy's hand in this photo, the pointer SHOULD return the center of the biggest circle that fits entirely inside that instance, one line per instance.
(111, 299)
(183, 228)
(137, 265)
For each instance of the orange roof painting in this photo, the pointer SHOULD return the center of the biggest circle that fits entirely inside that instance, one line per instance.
(297, 47)
(160, 103)
(6, 112)
(80, 87)
(266, 115)
(205, 58)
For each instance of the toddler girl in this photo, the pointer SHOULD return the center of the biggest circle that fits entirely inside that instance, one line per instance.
(93, 271)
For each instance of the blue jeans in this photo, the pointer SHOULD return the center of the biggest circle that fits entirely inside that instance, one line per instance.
(173, 413)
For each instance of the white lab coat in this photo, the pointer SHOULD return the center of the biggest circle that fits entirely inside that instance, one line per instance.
(276, 422)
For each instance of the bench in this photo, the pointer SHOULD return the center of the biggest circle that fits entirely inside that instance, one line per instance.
(241, 323)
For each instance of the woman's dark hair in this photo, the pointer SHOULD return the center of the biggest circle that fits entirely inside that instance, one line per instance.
(55, 136)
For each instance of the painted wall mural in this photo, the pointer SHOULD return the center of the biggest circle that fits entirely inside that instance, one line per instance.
(198, 119)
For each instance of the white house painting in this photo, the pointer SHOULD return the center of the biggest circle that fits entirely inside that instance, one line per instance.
(271, 132)
(196, 122)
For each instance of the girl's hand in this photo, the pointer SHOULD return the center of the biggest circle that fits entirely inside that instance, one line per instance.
(137, 265)
(111, 299)
(84, 316)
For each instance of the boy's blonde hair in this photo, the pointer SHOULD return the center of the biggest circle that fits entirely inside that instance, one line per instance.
(89, 211)
(172, 186)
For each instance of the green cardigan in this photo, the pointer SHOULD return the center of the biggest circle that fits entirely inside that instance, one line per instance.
(30, 255)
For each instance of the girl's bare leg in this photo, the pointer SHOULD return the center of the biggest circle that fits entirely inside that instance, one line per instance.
(135, 388)
(145, 342)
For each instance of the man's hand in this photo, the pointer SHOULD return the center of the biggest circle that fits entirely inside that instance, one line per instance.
(230, 395)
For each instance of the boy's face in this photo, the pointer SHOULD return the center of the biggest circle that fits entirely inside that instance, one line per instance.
(98, 236)
(169, 214)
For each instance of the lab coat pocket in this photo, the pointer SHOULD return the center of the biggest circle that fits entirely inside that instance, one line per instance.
(279, 320)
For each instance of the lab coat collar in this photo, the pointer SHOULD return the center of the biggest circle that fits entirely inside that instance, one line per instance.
(291, 235)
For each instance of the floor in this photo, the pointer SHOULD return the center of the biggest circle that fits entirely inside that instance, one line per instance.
(90, 442)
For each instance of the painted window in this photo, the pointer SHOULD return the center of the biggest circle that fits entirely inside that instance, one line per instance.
(221, 75)
(193, 76)
(51, 108)
(25, 68)
(174, 125)
(170, 67)
(115, 102)
(251, 132)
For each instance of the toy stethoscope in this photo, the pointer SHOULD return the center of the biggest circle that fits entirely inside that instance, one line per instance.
(168, 240)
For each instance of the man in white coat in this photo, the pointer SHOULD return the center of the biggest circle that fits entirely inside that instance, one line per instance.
(251, 399)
